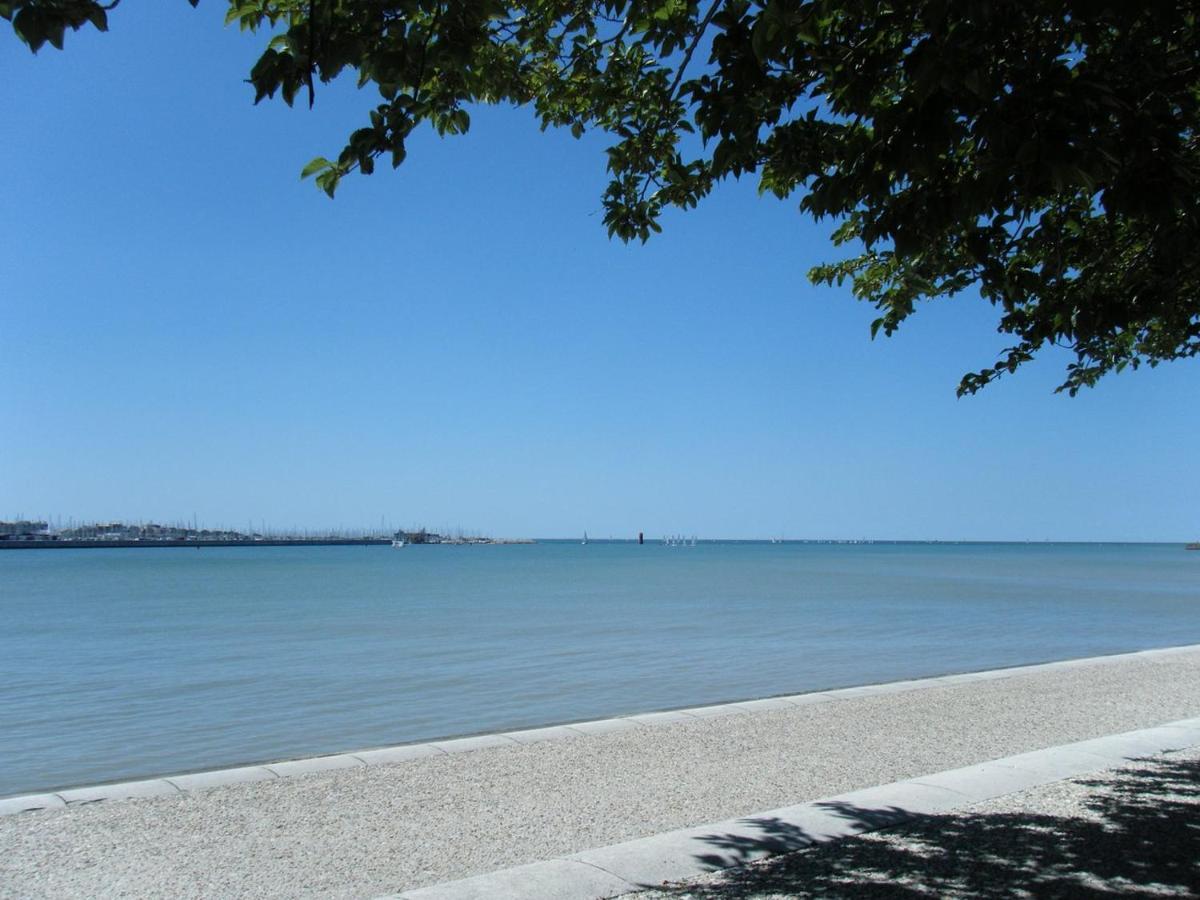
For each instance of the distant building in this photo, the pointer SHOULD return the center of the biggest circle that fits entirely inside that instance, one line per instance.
(24, 530)
(418, 537)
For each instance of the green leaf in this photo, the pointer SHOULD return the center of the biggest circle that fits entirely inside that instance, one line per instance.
(30, 27)
(54, 33)
(328, 181)
(317, 165)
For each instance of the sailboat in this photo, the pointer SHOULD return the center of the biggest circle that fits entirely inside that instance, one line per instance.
(584, 541)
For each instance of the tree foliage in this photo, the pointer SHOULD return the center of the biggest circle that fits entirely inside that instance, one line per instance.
(1044, 152)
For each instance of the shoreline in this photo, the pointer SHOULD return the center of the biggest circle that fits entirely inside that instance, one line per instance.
(415, 648)
(166, 784)
(357, 830)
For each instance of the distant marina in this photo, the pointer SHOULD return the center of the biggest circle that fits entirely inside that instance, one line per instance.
(26, 534)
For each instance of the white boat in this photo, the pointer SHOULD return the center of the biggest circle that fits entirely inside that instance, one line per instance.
(397, 544)
(584, 541)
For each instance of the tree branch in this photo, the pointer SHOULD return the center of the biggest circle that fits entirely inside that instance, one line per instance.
(687, 57)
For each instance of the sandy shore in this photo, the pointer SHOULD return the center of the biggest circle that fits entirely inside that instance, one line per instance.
(370, 831)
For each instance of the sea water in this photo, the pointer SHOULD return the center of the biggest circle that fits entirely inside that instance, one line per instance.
(124, 663)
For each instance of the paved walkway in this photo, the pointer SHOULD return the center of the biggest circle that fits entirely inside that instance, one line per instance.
(1126, 832)
(368, 831)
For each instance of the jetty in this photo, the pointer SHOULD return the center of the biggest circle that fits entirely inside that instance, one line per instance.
(54, 544)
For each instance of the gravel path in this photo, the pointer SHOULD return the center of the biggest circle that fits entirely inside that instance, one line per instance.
(1130, 831)
(370, 831)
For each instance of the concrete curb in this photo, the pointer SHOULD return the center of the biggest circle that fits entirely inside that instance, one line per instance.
(676, 855)
(194, 781)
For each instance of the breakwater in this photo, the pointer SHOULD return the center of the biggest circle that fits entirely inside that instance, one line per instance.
(108, 545)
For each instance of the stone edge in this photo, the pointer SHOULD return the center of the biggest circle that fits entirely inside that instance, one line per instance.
(645, 863)
(172, 784)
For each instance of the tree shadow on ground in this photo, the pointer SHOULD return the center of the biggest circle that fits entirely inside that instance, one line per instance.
(1138, 834)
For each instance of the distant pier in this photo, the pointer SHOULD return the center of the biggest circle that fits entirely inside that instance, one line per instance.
(266, 542)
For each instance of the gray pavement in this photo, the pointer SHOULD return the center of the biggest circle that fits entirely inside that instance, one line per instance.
(372, 830)
(1129, 831)
(677, 856)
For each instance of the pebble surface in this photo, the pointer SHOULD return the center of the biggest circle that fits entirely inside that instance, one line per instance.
(1129, 831)
(370, 831)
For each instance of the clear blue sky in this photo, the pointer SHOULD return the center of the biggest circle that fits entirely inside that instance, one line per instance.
(186, 328)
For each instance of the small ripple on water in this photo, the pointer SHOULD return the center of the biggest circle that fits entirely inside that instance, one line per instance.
(120, 664)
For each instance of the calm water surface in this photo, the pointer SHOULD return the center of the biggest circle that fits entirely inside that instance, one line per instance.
(123, 663)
